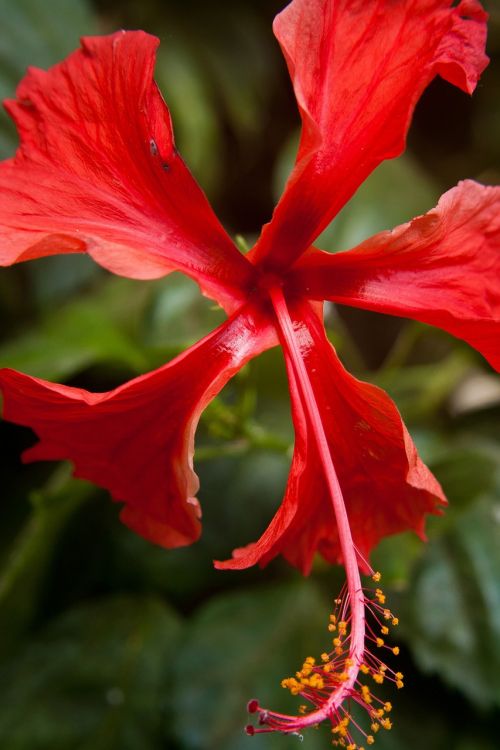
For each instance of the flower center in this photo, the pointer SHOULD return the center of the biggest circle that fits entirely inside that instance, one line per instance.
(268, 281)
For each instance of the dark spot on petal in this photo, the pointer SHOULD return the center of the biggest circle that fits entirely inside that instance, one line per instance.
(153, 147)
(165, 166)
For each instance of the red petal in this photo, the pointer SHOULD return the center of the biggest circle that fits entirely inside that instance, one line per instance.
(386, 486)
(97, 170)
(138, 440)
(442, 268)
(358, 68)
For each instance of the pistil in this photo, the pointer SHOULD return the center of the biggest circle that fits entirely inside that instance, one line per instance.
(329, 684)
(355, 595)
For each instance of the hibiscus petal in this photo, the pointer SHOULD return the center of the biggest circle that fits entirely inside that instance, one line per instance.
(137, 441)
(97, 170)
(358, 68)
(442, 268)
(385, 485)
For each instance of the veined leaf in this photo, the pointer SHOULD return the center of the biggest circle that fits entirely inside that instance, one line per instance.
(95, 679)
(238, 647)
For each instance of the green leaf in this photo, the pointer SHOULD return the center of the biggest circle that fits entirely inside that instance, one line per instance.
(240, 646)
(78, 335)
(420, 390)
(177, 314)
(58, 277)
(216, 75)
(395, 557)
(95, 679)
(241, 58)
(466, 473)
(453, 618)
(25, 570)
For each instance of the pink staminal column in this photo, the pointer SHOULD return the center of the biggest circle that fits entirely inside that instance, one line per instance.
(328, 685)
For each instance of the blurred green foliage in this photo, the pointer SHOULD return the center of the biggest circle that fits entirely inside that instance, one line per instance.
(109, 642)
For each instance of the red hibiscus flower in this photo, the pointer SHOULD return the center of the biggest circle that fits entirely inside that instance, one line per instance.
(97, 171)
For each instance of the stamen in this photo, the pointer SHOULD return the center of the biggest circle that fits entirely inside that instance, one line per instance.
(328, 684)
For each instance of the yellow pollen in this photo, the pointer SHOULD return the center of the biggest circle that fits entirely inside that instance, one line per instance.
(336, 642)
(399, 684)
(327, 668)
(325, 657)
(380, 642)
(399, 676)
(292, 685)
(387, 614)
(377, 577)
(378, 678)
(375, 727)
(395, 650)
(316, 681)
(395, 621)
(386, 723)
(384, 630)
(340, 729)
(364, 668)
(388, 706)
(370, 739)
(332, 628)
(365, 693)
